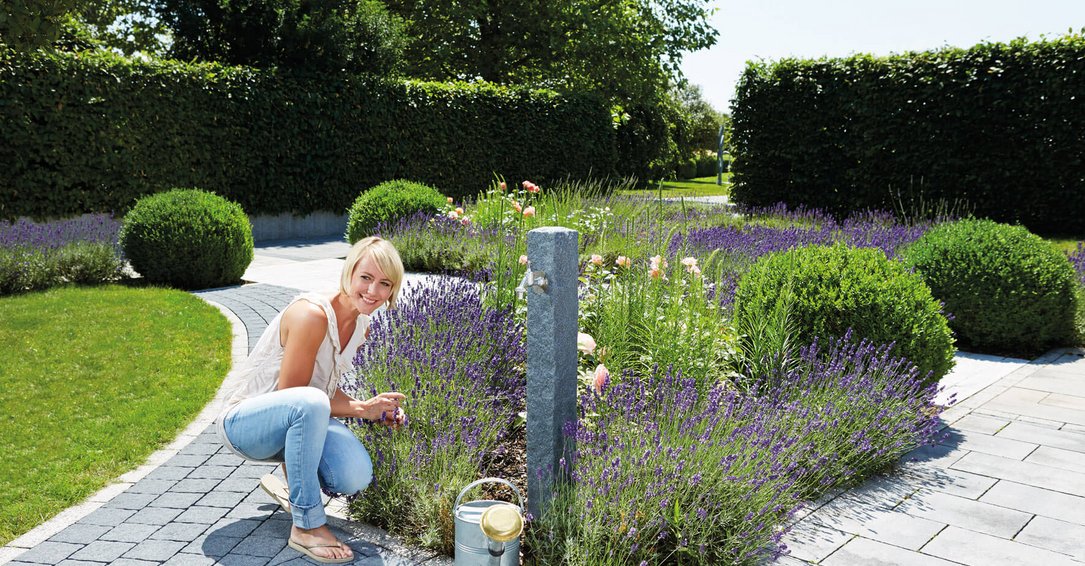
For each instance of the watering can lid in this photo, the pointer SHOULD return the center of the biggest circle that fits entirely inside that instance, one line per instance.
(502, 522)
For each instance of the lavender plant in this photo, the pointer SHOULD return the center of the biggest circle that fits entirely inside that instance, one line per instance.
(39, 255)
(461, 407)
(668, 473)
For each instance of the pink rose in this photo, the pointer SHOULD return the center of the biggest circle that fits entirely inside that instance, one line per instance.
(585, 343)
(523, 260)
(602, 376)
(529, 212)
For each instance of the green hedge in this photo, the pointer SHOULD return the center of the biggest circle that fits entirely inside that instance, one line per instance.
(997, 126)
(93, 132)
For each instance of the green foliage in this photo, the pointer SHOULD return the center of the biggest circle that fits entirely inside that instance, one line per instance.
(1007, 289)
(95, 380)
(834, 288)
(187, 238)
(87, 132)
(27, 25)
(997, 126)
(359, 36)
(388, 202)
(23, 268)
(625, 51)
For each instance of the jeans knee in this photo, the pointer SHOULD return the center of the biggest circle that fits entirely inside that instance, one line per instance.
(355, 482)
(310, 402)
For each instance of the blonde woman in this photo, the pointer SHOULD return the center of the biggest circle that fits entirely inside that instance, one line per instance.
(283, 403)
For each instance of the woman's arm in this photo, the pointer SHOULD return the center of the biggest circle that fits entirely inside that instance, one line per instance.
(385, 404)
(301, 331)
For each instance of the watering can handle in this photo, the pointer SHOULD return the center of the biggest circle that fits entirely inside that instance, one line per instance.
(475, 483)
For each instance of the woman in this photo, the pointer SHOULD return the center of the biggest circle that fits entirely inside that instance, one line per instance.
(283, 402)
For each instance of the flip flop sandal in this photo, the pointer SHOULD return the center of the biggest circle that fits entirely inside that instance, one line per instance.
(278, 491)
(308, 551)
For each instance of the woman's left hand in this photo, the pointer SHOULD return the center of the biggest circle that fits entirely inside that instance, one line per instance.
(394, 419)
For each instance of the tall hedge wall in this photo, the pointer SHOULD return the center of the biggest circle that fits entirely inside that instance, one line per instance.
(92, 132)
(998, 126)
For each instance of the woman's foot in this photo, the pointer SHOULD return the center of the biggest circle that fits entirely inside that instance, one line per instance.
(320, 544)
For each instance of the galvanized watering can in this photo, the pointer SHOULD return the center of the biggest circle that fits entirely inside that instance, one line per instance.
(488, 531)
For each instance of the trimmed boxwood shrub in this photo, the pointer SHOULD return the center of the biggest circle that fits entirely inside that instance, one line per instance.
(834, 288)
(1007, 289)
(389, 202)
(187, 238)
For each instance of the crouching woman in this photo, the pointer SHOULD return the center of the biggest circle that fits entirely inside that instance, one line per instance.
(283, 403)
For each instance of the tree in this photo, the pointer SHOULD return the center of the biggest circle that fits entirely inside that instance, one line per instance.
(703, 120)
(353, 35)
(26, 25)
(624, 49)
(127, 26)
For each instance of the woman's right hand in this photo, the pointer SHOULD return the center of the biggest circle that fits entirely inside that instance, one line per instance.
(381, 406)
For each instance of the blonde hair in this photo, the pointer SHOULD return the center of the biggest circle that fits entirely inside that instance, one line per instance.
(387, 259)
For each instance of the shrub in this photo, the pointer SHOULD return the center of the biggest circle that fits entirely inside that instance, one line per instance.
(706, 165)
(388, 202)
(23, 269)
(1007, 289)
(87, 263)
(686, 169)
(836, 288)
(187, 238)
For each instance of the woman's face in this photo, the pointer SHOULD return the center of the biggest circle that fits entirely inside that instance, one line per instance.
(369, 286)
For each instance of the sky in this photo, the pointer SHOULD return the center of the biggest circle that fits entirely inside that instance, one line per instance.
(774, 29)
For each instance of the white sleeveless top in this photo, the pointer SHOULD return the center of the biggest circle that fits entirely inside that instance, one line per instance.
(259, 373)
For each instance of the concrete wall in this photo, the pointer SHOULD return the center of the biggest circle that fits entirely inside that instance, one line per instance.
(288, 227)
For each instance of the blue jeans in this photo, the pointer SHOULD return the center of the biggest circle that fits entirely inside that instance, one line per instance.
(295, 426)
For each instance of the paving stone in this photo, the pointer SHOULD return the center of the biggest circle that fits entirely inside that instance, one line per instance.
(243, 560)
(189, 460)
(186, 532)
(190, 485)
(49, 552)
(234, 528)
(1065, 439)
(1055, 382)
(276, 527)
(228, 499)
(866, 552)
(813, 542)
(169, 472)
(80, 533)
(252, 471)
(1058, 458)
(979, 442)
(1072, 402)
(231, 460)
(177, 500)
(155, 516)
(200, 447)
(1044, 423)
(1027, 473)
(937, 455)
(152, 486)
(1030, 403)
(980, 423)
(961, 512)
(133, 562)
(947, 480)
(1038, 501)
(977, 549)
(901, 530)
(212, 472)
(246, 510)
(107, 516)
(157, 550)
(102, 551)
(128, 500)
(260, 546)
(244, 485)
(1074, 428)
(212, 545)
(185, 559)
(70, 562)
(1052, 534)
(130, 532)
(205, 515)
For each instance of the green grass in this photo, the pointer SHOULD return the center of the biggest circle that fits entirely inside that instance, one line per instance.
(1066, 245)
(699, 187)
(94, 380)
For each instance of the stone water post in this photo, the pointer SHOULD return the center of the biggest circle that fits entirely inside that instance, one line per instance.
(551, 358)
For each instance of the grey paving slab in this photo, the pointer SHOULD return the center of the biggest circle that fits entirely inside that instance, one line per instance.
(50, 552)
(212, 545)
(205, 515)
(811, 540)
(130, 532)
(261, 546)
(133, 562)
(155, 516)
(212, 472)
(190, 485)
(131, 500)
(153, 486)
(866, 552)
(227, 499)
(1045, 423)
(177, 500)
(102, 551)
(966, 513)
(947, 480)
(234, 527)
(1065, 439)
(1036, 475)
(980, 423)
(980, 442)
(1036, 500)
(1058, 458)
(170, 472)
(81, 533)
(977, 549)
(107, 516)
(157, 550)
(184, 532)
(1052, 534)
(186, 559)
(243, 560)
(1031, 403)
(1052, 382)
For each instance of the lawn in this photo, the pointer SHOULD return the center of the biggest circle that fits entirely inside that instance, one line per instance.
(699, 187)
(95, 379)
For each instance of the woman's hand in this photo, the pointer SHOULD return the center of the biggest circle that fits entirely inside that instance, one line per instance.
(382, 407)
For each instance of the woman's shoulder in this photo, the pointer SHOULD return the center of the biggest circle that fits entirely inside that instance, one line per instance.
(305, 315)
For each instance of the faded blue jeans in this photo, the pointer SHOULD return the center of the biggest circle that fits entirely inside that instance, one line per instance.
(295, 426)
